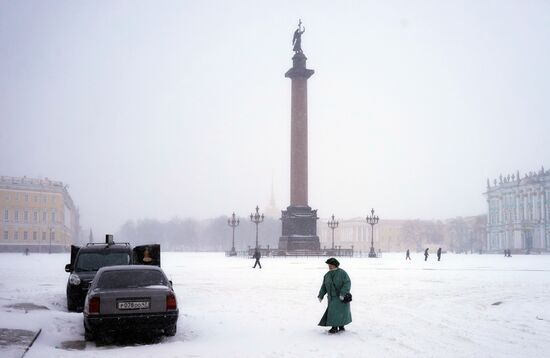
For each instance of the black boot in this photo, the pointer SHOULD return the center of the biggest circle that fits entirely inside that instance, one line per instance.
(341, 329)
(333, 330)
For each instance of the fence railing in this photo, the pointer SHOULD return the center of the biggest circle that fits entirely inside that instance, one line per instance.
(269, 252)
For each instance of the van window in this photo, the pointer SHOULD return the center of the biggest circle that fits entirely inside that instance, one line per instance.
(93, 261)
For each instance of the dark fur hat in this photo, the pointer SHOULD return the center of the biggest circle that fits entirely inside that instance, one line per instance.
(332, 261)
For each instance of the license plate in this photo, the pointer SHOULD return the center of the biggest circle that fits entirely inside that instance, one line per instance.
(133, 305)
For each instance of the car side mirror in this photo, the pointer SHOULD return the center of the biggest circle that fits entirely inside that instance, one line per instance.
(68, 268)
(171, 284)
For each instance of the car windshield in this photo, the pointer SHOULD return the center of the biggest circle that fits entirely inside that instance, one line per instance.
(93, 261)
(131, 278)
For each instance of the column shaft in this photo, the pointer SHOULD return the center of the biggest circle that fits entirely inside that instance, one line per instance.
(299, 144)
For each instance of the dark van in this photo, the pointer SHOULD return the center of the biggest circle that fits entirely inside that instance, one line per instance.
(87, 260)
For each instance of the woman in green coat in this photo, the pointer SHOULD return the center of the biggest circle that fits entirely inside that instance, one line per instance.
(336, 284)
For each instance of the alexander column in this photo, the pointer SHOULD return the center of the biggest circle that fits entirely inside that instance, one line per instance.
(299, 220)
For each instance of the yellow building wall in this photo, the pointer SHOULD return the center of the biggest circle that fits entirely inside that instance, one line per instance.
(31, 202)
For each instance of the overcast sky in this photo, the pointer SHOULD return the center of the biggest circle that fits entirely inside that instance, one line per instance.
(156, 109)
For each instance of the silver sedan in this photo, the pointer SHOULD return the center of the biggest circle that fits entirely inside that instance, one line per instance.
(130, 298)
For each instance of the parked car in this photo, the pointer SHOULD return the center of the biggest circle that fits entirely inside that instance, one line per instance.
(86, 261)
(128, 299)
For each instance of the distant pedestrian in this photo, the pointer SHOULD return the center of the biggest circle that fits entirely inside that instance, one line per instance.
(408, 256)
(27, 251)
(257, 256)
(426, 254)
(505, 252)
(439, 254)
(336, 285)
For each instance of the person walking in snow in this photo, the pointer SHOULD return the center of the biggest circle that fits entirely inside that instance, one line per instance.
(439, 254)
(257, 256)
(426, 254)
(408, 256)
(336, 285)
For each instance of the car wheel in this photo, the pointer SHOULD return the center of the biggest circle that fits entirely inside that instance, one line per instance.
(71, 306)
(170, 331)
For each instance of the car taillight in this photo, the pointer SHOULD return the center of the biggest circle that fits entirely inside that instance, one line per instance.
(93, 308)
(171, 303)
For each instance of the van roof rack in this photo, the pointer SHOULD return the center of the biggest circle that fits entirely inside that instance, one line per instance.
(107, 245)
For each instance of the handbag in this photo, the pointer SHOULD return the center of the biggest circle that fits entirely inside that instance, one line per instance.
(347, 297)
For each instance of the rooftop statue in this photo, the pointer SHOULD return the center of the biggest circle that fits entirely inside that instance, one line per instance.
(297, 39)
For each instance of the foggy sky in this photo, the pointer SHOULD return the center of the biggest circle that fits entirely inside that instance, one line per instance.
(171, 108)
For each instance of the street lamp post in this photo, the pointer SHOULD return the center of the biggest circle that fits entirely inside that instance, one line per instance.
(233, 222)
(372, 220)
(332, 224)
(256, 218)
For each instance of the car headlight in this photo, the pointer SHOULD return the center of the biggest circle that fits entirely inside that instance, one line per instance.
(74, 279)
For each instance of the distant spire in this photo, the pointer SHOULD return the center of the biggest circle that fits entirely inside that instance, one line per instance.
(91, 236)
(272, 207)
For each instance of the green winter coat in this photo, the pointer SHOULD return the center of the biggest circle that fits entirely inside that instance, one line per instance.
(338, 313)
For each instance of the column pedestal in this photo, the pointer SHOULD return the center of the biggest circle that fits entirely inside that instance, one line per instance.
(299, 229)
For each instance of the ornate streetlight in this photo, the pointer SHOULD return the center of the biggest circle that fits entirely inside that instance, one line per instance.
(332, 225)
(233, 222)
(372, 220)
(256, 218)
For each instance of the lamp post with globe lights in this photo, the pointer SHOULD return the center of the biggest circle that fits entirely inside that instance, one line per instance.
(256, 218)
(332, 224)
(372, 220)
(233, 222)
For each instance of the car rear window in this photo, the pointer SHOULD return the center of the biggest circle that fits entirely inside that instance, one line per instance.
(93, 261)
(131, 278)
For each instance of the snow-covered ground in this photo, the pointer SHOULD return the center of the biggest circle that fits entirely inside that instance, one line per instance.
(400, 308)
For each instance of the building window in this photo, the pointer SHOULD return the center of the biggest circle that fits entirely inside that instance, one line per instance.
(44, 217)
(25, 236)
(53, 217)
(26, 216)
(16, 196)
(6, 235)
(16, 235)
(52, 235)
(34, 235)
(26, 197)
(16, 216)
(36, 216)
(6, 215)
(44, 236)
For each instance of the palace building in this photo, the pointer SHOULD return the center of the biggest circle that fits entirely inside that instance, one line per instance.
(37, 214)
(519, 212)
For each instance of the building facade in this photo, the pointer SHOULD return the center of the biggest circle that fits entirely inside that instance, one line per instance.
(37, 214)
(519, 212)
(388, 234)
(460, 234)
